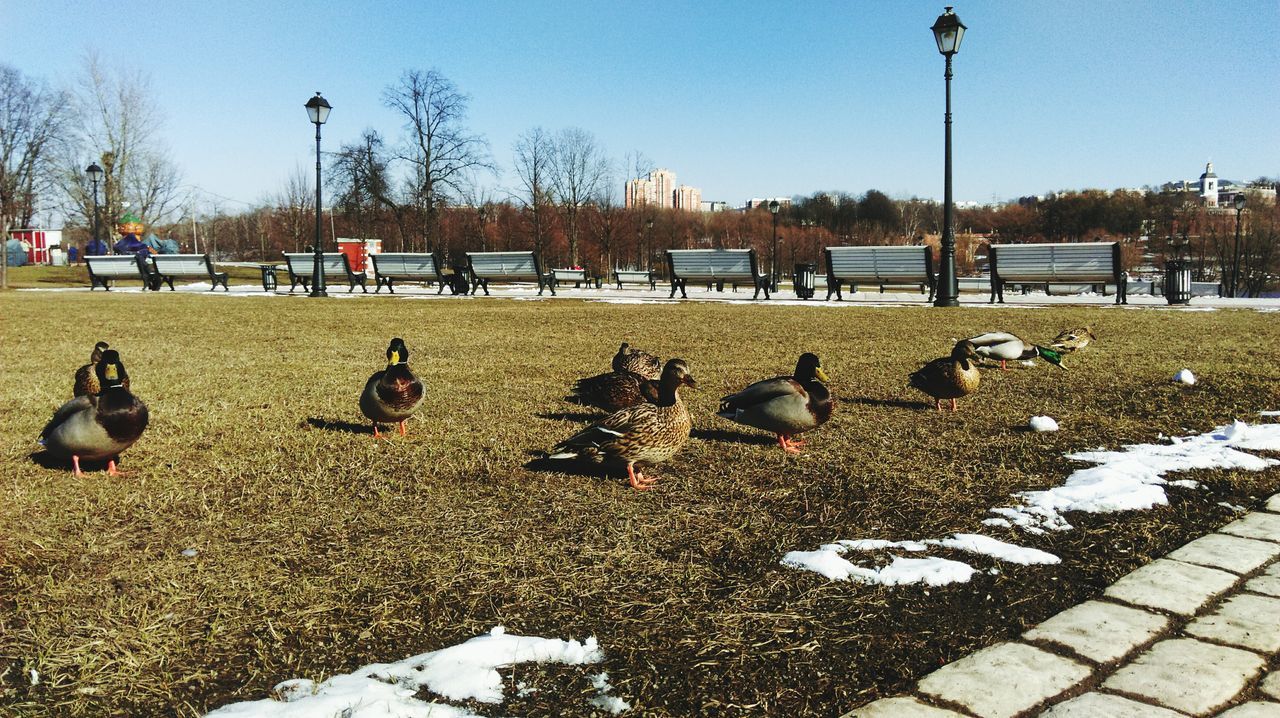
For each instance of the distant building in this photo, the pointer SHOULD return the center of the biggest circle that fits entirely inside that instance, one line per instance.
(764, 202)
(1215, 192)
(688, 198)
(659, 190)
(713, 206)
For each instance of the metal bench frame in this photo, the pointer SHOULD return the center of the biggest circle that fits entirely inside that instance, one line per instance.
(408, 274)
(704, 269)
(188, 265)
(330, 269)
(886, 265)
(521, 263)
(639, 276)
(111, 266)
(1058, 263)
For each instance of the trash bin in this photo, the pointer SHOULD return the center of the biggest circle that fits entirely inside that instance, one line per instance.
(804, 279)
(461, 285)
(268, 277)
(1177, 281)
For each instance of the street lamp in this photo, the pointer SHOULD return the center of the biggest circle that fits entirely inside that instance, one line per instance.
(648, 252)
(773, 209)
(948, 31)
(95, 174)
(318, 110)
(484, 236)
(1235, 261)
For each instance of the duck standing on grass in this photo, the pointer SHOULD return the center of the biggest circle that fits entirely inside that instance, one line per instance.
(1005, 346)
(393, 394)
(949, 377)
(98, 426)
(784, 405)
(642, 434)
(86, 381)
(637, 361)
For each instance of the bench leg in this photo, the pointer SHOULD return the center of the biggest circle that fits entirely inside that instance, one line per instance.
(673, 289)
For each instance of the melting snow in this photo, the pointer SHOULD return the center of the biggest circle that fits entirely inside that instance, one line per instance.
(1043, 423)
(1185, 377)
(829, 561)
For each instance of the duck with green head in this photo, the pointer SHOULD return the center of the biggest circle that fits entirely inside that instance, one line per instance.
(949, 377)
(784, 405)
(1005, 346)
(98, 426)
(392, 395)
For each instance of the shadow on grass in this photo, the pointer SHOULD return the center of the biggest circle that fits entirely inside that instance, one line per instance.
(571, 415)
(339, 425)
(47, 460)
(567, 466)
(732, 437)
(892, 403)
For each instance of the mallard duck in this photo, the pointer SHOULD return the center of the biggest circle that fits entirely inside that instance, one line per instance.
(635, 360)
(615, 390)
(393, 394)
(1070, 340)
(784, 405)
(98, 426)
(1005, 346)
(949, 377)
(86, 381)
(642, 434)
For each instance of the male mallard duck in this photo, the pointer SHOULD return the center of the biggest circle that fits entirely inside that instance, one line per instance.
(949, 377)
(642, 434)
(784, 405)
(98, 426)
(635, 360)
(615, 390)
(86, 381)
(1073, 339)
(1005, 346)
(393, 394)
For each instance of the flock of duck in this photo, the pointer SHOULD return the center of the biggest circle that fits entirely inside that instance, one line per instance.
(648, 423)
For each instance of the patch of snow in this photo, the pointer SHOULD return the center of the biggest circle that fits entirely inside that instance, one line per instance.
(34, 675)
(1001, 523)
(929, 571)
(1234, 507)
(987, 546)
(1185, 377)
(189, 552)
(467, 671)
(603, 700)
(875, 545)
(1043, 423)
(1269, 413)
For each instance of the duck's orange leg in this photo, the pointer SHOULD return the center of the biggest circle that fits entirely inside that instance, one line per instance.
(403, 431)
(376, 434)
(111, 468)
(75, 466)
(637, 479)
(789, 446)
(953, 406)
(938, 403)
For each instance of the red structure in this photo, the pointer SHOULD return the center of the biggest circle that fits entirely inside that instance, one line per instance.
(37, 240)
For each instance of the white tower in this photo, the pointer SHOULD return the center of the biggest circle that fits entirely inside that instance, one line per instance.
(1209, 186)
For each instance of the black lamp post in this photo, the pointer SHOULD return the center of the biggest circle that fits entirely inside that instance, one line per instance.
(318, 110)
(948, 31)
(773, 209)
(1235, 255)
(648, 252)
(484, 236)
(95, 174)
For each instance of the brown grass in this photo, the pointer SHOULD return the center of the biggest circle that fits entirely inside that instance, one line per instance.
(322, 550)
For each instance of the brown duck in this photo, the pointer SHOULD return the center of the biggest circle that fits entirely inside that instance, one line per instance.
(86, 381)
(637, 361)
(949, 377)
(642, 434)
(615, 390)
(393, 394)
(784, 405)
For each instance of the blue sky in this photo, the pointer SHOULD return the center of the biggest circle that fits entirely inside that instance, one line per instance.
(741, 99)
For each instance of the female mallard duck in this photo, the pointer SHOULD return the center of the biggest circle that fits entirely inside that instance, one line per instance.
(1070, 340)
(393, 394)
(615, 390)
(1005, 346)
(98, 426)
(785, 405)
(949, 377)
(86, 380)
(637, 361)
(642, 434)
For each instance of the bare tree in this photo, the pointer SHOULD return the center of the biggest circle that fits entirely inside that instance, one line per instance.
(362, 171)
(442, 153)
(31, 132)
(534, 151)
(608, 221)
(296, 205)
(578, 169)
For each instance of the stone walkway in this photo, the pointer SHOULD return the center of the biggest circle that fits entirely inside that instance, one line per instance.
(1195, 633)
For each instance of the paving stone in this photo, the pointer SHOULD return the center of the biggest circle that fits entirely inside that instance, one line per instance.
(901, 707)
(1171, 586)
(1258, 709)
(1256, 525)
(1004, 680)
(1246, 621)
(1270, 685)
(1268, 582)
(1094, 705)
(1187, 675)
(1232, 553)
(1100, 631)
(1273, 503)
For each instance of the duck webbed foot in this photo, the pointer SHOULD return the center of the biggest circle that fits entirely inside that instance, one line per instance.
(638, 481)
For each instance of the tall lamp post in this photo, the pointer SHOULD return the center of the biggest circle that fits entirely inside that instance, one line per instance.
(95, 174)
(948, 31)
(318, 110)
(773, 209)
(1235, 255)
(648, 252)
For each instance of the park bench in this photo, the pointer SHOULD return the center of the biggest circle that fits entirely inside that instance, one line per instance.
(880, 266)
(1058, 263)
(715, 266)
(507, 266)
(390, 267)
(196, 266)
(105, 268)
(334, 264)
(638, 276)
(577, 276)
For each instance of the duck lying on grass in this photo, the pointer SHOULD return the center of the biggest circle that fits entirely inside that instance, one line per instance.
(393, 394)
(615, 390)
(98, 426)
(642, 434)
(86, 381)
(1070, 340)
(949, 377)
(1005, 346)
(637, 361)
(784, 405)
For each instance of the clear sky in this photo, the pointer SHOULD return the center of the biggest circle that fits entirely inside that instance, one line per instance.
(741, 99)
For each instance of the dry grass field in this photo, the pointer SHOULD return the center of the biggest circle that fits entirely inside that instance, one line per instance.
(321, 550)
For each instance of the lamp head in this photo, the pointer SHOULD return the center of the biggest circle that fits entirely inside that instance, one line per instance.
(1240, 201)
(94, 172)
(318, 109)
(948, 31)
(774, 206)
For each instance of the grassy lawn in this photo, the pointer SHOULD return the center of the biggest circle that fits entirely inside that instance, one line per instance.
(46, 276)
(321, 550)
